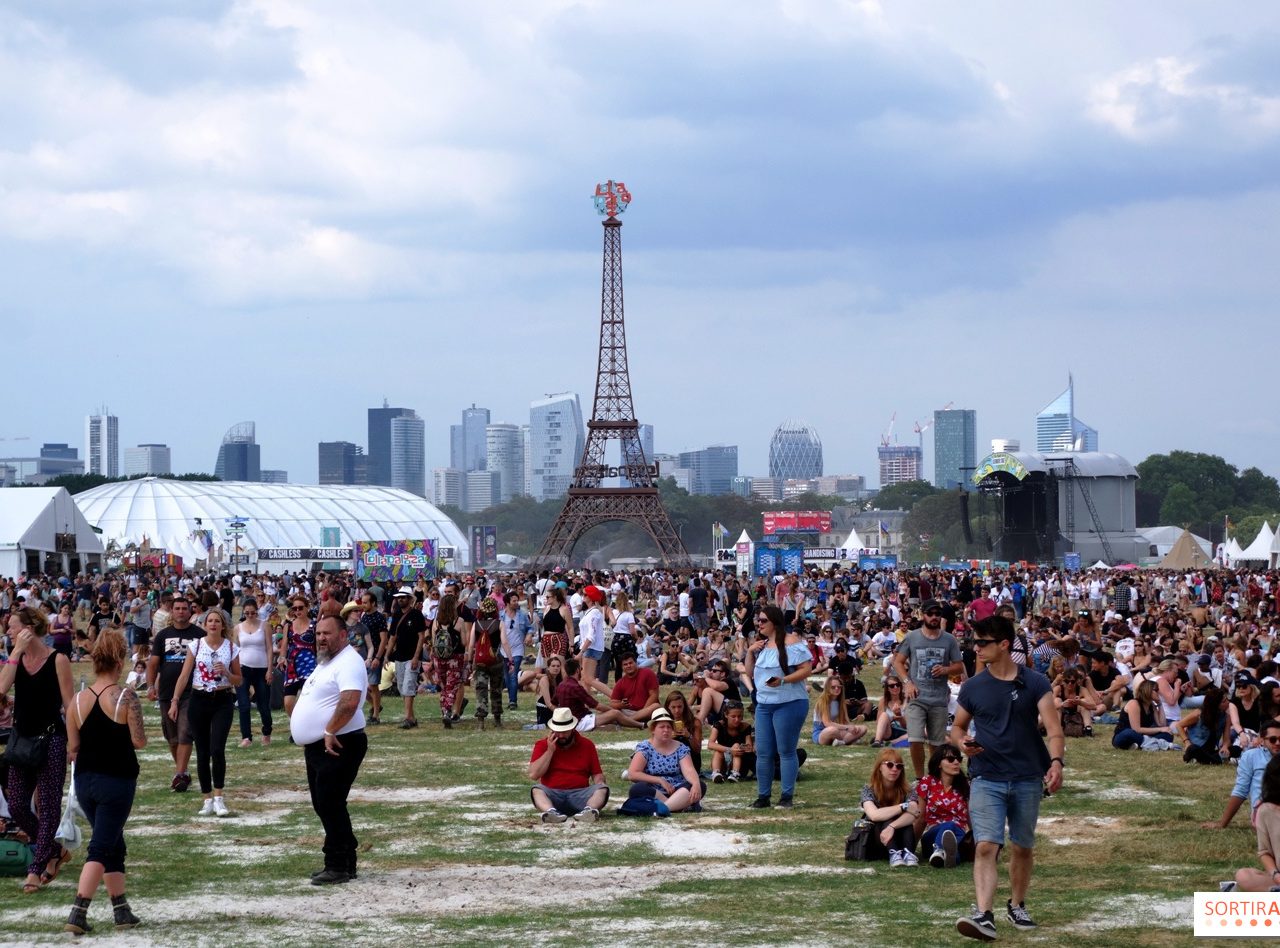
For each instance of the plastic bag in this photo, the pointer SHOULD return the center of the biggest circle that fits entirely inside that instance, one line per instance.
(68, 833)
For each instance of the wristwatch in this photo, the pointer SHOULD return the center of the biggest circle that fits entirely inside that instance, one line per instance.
(905, 806)
(1059, 761)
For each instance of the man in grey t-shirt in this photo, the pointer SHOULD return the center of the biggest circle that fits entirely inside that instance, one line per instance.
(924, 660)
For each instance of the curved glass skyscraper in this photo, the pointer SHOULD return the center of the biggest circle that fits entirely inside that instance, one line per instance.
(1058, 428)
(795, 452)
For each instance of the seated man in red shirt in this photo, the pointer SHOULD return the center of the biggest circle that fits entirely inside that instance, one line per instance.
(636, 693)
(585, 708)
(566, 770)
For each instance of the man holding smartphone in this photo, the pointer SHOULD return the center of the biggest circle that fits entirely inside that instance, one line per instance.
(565, 768)
(1010, 770)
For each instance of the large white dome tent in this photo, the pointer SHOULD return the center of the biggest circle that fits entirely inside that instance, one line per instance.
(172, 514)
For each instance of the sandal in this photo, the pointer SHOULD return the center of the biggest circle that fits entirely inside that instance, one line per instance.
(50, 874)
(30, 888)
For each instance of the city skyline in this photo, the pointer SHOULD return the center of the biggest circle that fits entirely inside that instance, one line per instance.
(1028, 186)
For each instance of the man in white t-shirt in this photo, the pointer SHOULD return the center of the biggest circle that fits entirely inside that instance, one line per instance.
(328, 723)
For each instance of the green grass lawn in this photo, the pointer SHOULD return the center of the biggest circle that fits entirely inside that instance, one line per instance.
(453, 855)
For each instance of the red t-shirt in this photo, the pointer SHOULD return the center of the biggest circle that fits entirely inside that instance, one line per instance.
(982, 608)
(572, 767)
(635, 692)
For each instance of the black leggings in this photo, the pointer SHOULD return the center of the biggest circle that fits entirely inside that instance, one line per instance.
(210, 714)
(904, 837)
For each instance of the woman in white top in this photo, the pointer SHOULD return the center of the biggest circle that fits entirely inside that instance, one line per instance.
(213, 668)
(591, 638)
(254, 638)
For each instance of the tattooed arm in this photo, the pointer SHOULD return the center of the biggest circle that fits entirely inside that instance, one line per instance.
(133, 712)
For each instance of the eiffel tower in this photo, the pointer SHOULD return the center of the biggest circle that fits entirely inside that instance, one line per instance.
(613, 417)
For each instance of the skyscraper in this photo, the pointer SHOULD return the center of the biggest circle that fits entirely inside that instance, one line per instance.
(1058, 429)
(380, 442)
(59, 458)
(482, 490)
(239, 455)
(409, 454)
(795, 452)
(449, 486)
(274, 476)
(713, 468)
(504, 455)
(646, 445)
(338, 462)
(148, 459)
(955, 447)
(526, 476)
(900, 462)
(556, 439)
(102, 444)
(468, 449)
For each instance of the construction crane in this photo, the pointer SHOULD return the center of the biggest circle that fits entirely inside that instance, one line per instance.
(888, 432)
(920, 429)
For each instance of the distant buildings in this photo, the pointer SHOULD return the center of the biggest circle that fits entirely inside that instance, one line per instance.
(713, 469)
(58, 459)
(340, 462)
(669, 466)
(482, 490)
(148, 459)
(239, 455)
(955, 447)
(795, 452)
(900, 462)
(274, 476)
(409, 454)
(1059, 430)
(504, 456)
(102, 445)
(449, 486)
(468, 447)
(556, 439)
(379, 463)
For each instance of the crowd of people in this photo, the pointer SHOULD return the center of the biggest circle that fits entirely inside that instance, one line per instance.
(720, 672)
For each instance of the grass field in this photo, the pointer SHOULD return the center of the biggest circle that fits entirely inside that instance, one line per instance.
(453, 855)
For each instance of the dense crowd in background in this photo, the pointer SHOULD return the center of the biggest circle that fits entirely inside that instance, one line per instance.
(712, 666)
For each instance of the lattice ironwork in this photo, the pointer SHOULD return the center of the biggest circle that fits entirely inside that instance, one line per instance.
(613, 418)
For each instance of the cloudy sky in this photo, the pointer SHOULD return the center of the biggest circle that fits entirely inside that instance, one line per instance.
(219, 211)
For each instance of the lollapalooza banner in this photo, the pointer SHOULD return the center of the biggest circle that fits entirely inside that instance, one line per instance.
(484, 546)
(395, 560)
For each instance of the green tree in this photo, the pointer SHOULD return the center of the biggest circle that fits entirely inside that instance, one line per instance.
(905, 495)
(1255, 489)
(1213, 484)
(1179, 507)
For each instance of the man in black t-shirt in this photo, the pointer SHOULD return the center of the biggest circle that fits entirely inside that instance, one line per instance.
(168, 653)
(101, 616)
(408, 631)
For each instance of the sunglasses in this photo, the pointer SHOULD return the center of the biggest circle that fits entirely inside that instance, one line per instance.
(950, 757)
(891, 765)
(982, 643)
(1272, 740)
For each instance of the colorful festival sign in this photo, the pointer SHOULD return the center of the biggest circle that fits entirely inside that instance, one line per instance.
(796, 521)
(395, 560)
(1000, 462)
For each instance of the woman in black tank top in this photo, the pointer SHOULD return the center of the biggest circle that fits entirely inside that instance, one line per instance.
(104, 727)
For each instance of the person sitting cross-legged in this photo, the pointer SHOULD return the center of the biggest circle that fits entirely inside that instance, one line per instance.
(565, 768)
(662, 769)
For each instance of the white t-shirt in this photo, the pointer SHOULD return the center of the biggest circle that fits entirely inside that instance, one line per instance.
(203, 677)
(253, 646)
(684, 605)
(319, 697)
(591, 631)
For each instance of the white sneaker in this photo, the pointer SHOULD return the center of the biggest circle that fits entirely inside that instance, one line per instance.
(909, 858)
(207, 809)
(588, 815)
(717, 777)
(838, 743)
(220, 807)
(895, 858)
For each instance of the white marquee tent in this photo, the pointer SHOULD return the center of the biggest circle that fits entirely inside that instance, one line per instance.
(1275, 550)
(185, 517)
(1260, 549)
(43, 531)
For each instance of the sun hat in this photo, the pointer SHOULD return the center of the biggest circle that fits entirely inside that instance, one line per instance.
(661, 716)
(562, 720)
(403, 591)
(349, 608)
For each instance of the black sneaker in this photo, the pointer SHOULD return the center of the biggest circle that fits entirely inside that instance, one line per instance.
(785, 802)
(949, 847)
(979, 925)
(760, 803)
(1019, 915)
(181, 783)
(331, 877)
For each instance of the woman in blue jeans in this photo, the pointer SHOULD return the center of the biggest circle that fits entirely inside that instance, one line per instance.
(778, 662)
(1141, 718)
(104, 729)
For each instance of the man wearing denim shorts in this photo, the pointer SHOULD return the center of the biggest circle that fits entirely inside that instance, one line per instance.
(1009, 769)
(924, 659)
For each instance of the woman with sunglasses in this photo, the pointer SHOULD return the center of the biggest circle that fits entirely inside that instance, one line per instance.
(891, 717)
(831, 724)
(778, 663)
(297, 656)
(944, 808)
(255, 669)
(890, 803)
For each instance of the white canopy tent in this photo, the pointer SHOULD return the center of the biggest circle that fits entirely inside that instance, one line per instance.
(1275, 550)
(43, 531)
(190, 518)
(853, 542)
(1260, 549)
(1233, 551)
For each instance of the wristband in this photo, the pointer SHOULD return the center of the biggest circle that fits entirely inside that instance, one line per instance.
(1059, 761)
(329, 734)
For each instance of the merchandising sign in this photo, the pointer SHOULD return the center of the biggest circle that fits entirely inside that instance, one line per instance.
(305, 553)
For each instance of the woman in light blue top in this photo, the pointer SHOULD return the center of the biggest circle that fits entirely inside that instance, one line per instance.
(778, 662)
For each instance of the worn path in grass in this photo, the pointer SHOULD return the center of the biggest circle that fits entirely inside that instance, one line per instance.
(452, 853)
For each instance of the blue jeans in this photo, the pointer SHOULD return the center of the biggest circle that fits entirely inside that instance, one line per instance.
(106, 802)
(995, 803)
(513, 677)
(1126, 738)
(778, 732)
(932, 838)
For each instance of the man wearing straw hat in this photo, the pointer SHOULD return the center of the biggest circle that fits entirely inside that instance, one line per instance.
(569, 781)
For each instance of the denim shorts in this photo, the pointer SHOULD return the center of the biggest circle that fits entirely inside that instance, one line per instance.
(595, 654)
(993, 804)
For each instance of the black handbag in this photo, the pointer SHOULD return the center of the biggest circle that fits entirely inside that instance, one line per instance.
(855, 844)
(28, 752)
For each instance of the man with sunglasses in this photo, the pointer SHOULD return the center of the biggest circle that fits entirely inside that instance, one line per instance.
(1249, 776)
(924, 660)
(1009, 768)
